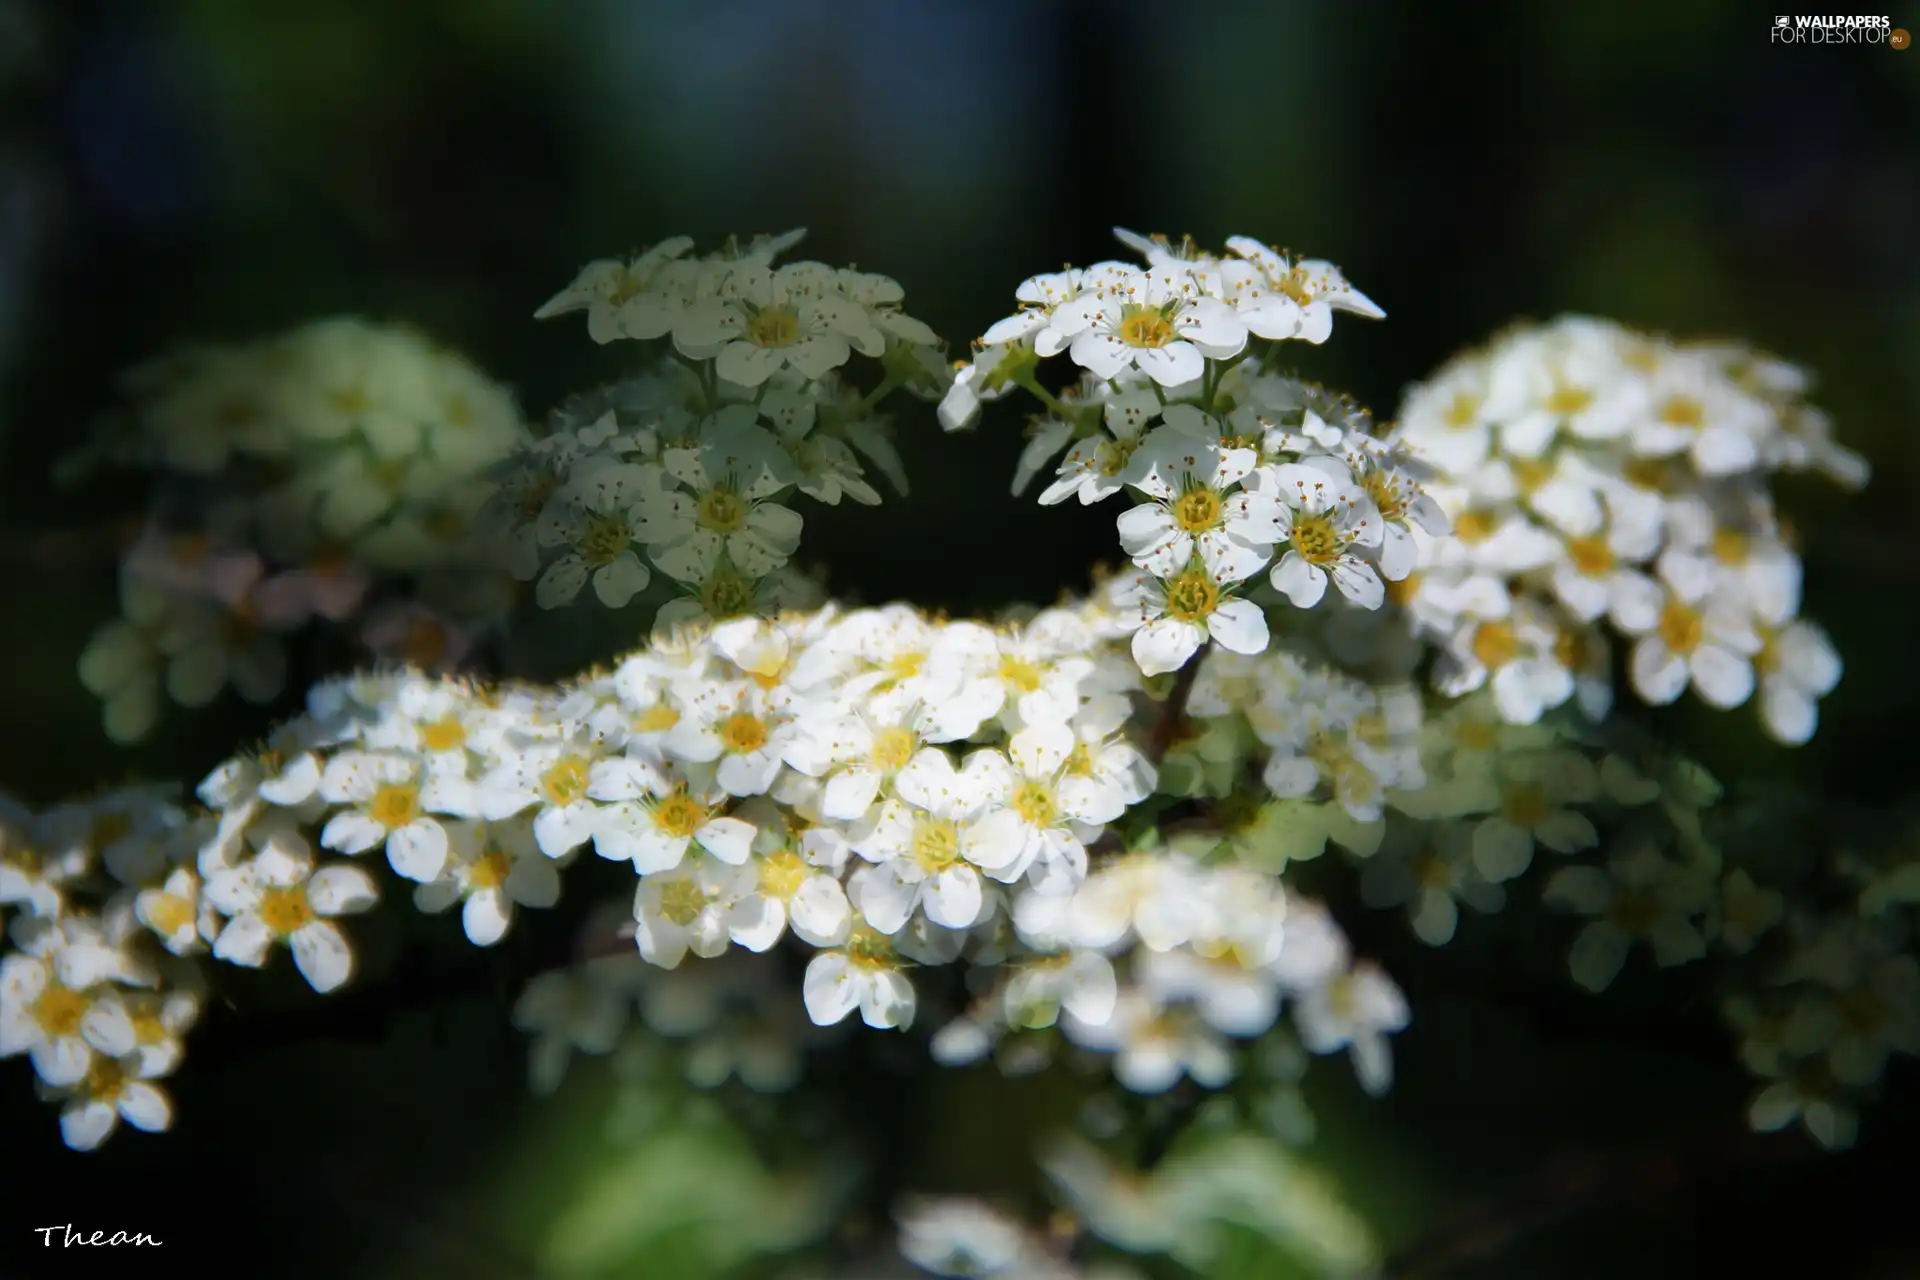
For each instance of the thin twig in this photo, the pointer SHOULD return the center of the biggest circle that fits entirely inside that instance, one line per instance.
(1173, 712)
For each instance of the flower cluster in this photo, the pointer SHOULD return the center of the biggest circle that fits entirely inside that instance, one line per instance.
(1233, 467)
(1595, 475)
(329, 476)
(683, 468)
(86, 991)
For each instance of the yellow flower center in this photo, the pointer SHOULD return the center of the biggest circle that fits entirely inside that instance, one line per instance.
(1531, 473)
(444, 734)
(148, 1029)
(782, 874)
(682, 901)
(1525, 805)
(1473, 526)
(1680, 627)
(395, 805)
(658, 718)
(534, 492)
(1731, 547)
(605, 538)
(1033, 801)
(105, 1079)
(892, 748)
(489, 870)
(1192, 596)
(1197, 510)
(1650, 473)
(1315, 538)
(565, 780)
(59, 1010)
(1116, 454)
(169, 913)
(1296, 284)
(1021, 674)
(1591, 556)
(286, 911)
(1574, 650)
(904, 666)
(1405, 591)
(722, 510)
(1683, 411)
(1385, 488)
(1463, 412)
(743, 732)
(1495, 644)
(1567, 399)
(1144, 327)
(868, 948)
(935, 844)
(679, 815)
(1080, 762)
(774, 327)
(726, 594)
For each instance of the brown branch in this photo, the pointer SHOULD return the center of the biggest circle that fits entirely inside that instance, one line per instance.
(1173, 712)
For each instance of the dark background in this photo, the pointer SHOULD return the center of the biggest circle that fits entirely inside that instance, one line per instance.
(219, 170)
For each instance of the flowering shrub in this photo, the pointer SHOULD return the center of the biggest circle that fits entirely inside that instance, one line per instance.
(1065, 834)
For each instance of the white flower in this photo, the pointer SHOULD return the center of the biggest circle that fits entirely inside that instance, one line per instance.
(1324, 525)
(567, 1009)
(1797, 666)
(1154, 1046)
(280, 896)
(1811, 1095)
(1431, 880)
(1355, 1011)
(1194, 509)
(111, 1091)
(1687, 636)
(184, 922)
(1155, 320)
(730, 476)
(959, 1237)
(553, 776)
(493, 868)
(604, 289)
(52, 1008)
(740, 728)
(1304, 295)
(1100, 466)
(1174, 616)
(393, 802)
(688, 909)
(864, 974)
(1535, 792)
(766, 320)
(599, 522)
(933, 842)
(651, 818)
(791, 890)
(1640, 896)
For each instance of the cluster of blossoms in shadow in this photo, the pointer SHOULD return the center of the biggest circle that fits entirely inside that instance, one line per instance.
(1055, 836)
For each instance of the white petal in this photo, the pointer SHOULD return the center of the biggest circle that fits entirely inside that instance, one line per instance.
(1239, 626)
(145, 1107)
(322, 954)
